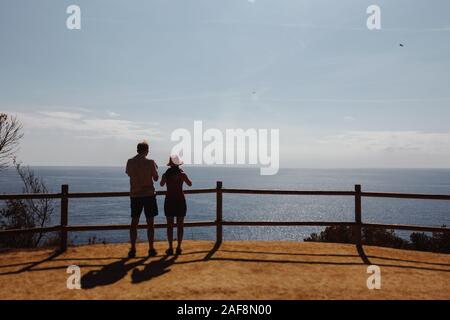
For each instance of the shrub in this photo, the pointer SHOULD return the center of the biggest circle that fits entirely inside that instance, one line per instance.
(437, 242)
(24, 214)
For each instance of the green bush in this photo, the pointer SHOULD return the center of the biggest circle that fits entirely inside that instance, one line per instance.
(437, 242)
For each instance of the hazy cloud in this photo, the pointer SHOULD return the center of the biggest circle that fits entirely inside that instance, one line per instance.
(391, 141)
(87, 126)
(61, 114)
(113, 114)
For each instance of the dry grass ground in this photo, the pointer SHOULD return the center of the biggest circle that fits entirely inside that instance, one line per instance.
(237, 270)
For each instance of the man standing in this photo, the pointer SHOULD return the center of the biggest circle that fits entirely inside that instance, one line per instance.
(142, 173)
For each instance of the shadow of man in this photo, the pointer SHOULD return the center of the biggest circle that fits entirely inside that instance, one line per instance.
(153, 269)
(109, 273)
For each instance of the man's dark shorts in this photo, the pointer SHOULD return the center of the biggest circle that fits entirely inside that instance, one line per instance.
(147, 203)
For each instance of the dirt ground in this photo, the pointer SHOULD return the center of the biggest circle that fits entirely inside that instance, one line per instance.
(235, 270)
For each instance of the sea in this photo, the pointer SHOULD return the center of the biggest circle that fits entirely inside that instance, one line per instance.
(202, 207)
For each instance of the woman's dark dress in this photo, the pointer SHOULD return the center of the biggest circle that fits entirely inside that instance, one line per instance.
(175, 203)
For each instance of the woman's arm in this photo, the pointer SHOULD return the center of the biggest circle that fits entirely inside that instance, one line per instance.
(187, 180)
(163, 180)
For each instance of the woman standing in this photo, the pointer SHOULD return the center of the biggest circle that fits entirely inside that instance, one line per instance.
(175, 203)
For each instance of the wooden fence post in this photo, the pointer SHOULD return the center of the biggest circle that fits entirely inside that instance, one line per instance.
(358, 220)
(64, 216)
(219, 226)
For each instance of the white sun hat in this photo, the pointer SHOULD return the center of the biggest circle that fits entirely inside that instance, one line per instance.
(176, 160)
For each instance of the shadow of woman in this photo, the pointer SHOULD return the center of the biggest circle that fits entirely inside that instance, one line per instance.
(109, 273)
(152, 270)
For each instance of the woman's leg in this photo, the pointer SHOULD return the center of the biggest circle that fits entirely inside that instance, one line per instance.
(180, 230)
(170, 231)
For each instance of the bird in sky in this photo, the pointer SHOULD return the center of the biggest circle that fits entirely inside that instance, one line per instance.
(401, 45)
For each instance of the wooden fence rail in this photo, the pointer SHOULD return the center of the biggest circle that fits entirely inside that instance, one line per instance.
(63, 228)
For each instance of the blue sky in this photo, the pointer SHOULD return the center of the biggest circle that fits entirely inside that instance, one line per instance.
(341, 95)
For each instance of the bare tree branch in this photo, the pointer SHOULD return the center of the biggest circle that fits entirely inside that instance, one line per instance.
(29, 213)
(40, 209)
(10, 135)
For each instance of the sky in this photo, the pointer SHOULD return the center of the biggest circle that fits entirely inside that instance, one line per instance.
(342, 96)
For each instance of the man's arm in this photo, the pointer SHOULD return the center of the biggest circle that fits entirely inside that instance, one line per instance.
(155, 175)
(127, 171)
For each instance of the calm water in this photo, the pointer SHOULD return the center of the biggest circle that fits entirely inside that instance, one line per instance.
(249, 207)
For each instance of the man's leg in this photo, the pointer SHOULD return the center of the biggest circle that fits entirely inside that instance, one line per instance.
(136, 209)
(170, 231)
(150, 232)
(133, 232)
(151, 211)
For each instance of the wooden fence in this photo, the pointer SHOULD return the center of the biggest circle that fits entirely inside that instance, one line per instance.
(219, 223)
